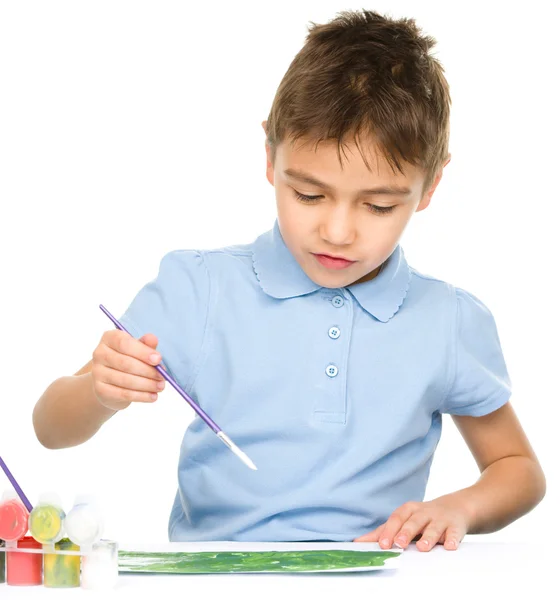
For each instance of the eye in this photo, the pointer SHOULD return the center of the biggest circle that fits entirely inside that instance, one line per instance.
(380, 210)
(305, 198)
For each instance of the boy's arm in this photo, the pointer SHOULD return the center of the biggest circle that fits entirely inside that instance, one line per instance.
(512, 481)
(511, 484)
(68, 413)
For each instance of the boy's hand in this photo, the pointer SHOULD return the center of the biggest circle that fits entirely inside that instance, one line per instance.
(123, 369)
(443, 520)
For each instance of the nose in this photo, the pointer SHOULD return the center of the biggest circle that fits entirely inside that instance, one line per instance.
(337, 226)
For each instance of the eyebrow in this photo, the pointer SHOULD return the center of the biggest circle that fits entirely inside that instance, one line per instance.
(381, 190)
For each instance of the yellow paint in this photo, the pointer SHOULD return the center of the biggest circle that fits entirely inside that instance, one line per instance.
(61, 571)
(45, 523)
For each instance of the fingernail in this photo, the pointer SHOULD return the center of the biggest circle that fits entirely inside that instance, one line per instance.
(161, 385)
(400, 540)
(155, 358)
(384, 542)
(451, 544)
(154, 396)
(425, 542)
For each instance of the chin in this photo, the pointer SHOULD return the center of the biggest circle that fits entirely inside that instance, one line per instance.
(334, 280)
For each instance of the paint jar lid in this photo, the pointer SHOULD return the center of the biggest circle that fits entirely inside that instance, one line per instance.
(85, 498)
(50, 499)
(14, 520)
(84, 524)
(9, 495)
(46, 520)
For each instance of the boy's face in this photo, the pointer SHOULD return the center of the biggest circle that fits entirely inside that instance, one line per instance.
(343, 220)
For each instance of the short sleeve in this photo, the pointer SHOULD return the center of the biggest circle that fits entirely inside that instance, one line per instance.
(174, 307)
(480, 383)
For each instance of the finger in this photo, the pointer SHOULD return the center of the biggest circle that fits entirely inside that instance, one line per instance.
(106, 390)
(125, 363)
(411, 528)
(452, 537)
(128, 381)
(149, 339)
(121, 342)
(372, 536)
(431, 536)
(394, 523)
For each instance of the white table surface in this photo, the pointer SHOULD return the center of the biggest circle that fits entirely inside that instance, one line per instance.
(478, 570)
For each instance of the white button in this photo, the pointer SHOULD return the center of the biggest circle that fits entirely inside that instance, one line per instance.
(337, 301)
(334, 332)
(332, 370)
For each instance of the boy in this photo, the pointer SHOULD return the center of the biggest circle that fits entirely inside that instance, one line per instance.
(322, 353)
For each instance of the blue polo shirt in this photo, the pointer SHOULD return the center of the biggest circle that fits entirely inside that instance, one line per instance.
(336, 394)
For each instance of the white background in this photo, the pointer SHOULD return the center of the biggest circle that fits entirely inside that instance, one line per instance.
(128, 129)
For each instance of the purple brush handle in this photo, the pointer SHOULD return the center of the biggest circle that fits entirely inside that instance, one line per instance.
(16, 485)
(170, 379)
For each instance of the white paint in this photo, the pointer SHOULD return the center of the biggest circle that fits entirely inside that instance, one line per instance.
(83, 525)
(100, 568)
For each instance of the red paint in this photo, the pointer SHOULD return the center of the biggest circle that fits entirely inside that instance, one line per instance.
(22, 568)
(14, 520)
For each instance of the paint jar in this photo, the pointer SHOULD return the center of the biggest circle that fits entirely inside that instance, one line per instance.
(46, 520)
(62, 571)
(83, 524)
(100, 566)
(23, 568)
(2, 563)
(14, 519)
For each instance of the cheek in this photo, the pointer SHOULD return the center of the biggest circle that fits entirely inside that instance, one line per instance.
(390, 228)
(381, 238)
(287, 221)
(284, 206)
(291, 215)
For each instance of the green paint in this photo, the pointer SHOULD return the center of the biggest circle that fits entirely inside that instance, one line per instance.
(2, 564)
(243, 562)
(62, 571)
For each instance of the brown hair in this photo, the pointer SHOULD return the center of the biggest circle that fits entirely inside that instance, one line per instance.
(366, 73)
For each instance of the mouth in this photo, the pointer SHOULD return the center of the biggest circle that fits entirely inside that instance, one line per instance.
(333, 262)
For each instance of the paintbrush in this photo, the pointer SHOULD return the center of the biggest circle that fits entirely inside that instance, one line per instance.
(217, 430)
(15, 484)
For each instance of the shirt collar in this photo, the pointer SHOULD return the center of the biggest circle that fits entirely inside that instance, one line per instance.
(280, 276)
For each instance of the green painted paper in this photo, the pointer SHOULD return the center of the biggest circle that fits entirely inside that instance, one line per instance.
(251, 562)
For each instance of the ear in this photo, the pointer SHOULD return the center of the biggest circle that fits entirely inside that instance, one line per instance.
(429, 193)
(269, 167)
